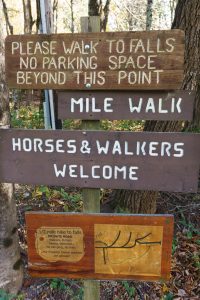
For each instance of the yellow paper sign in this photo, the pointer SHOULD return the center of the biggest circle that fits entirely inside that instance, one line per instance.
(60, 243)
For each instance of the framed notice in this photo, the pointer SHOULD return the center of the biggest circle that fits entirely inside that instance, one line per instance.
(99, 246)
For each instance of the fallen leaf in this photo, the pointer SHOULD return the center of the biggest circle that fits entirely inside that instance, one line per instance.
(181, 293)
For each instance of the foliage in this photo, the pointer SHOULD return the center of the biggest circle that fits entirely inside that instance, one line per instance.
(129, 289)
(56, 196)
(5, 296)
(57, 283)
(123, 15)
(29, 117)
(193, 129)
(174, 245)
(122, 125)
(189, 228)
(71, 124)
(61, 285)
(196, 260)
(168, 296)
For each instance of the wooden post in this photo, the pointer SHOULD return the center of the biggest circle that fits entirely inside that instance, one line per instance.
(91, 197)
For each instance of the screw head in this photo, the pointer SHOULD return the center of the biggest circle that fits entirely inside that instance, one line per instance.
(87, 46)
(88, 85)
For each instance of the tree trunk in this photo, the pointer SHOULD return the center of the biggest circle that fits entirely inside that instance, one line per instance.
(104, 20)
(93, 7)
(10, 263)
(28, 24)
(55, 15)
(186, 18)
(149, 14)
(9, 27)
(72, 15)
(172, 4)
(28, 20)
(96, 9)
(38, 18)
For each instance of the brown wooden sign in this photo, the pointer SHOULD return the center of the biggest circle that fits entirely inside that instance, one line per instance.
(119, 160)
(146, 60)
(99, 246)
(117, 105)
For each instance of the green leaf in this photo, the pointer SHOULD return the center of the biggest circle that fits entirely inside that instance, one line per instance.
(169, 296)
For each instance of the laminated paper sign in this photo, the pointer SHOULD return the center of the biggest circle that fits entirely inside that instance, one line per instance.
(59, 243)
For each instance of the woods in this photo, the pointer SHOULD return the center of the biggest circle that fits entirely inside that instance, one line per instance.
(112, 170)
(10, 262)
(145, 202)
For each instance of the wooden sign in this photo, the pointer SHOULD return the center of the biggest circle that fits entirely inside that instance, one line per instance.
(117, 105)
(119, 160)
(99, 246)
(146, 60)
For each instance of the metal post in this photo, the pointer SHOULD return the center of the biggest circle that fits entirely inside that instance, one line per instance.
(46, 29)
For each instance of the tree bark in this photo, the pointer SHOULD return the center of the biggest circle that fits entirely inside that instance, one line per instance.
(93, 7)
(172, 4)
(38, 18)
(10, 263)
(186, 18)
(96, 8)
(9, 27)
(72, 15)
(149, 14)
(55, 15)
(106, 11)
(28, 20)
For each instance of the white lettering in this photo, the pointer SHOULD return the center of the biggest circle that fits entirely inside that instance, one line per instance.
(132, 172)
(37, 144)
(71, 146)
(150, 106)
(107, 172)
(94, 175)
(15, 46)
(117, 170)
(49, 144)
(152, 148)
(60, 172)
(165, 148)
(107, 105)
(160, 109)
(117, 148)
(135, 108)
(170, 42)
(59, 146)
(102, 149)
(72, 171)
(16, 144)
(77, 102)
(27, 145)
(178, 147)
